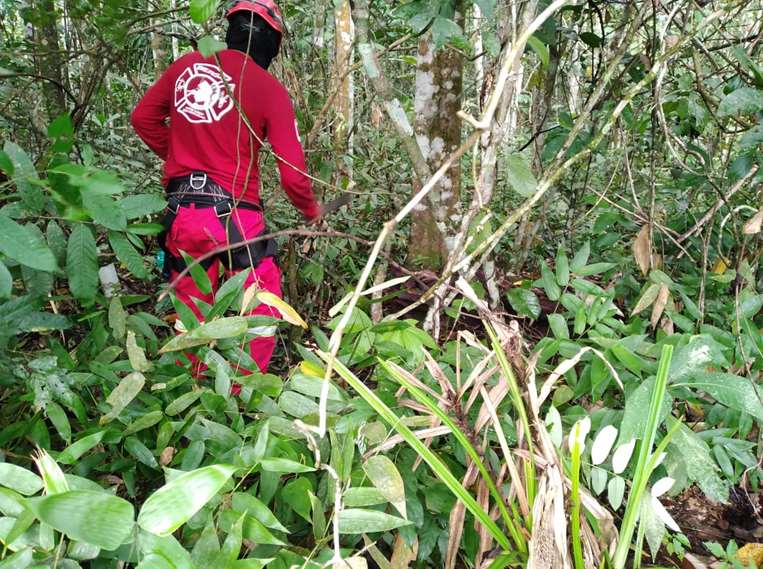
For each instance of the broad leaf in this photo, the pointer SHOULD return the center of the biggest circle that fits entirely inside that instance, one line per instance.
(127, 254)
(97, 518)
(23, 246)
(176, 502)
(694, 456)
(26, 178)
(525, 302)
(202, 10)
(19, 479)
(220, 329)
(82, 263)
(385, 476)
(731, 390)
(123, 394)
(74, 451)
(358, 521)
(520, 176)
(746, 100)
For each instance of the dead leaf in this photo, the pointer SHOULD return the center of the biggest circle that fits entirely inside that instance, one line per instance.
(167, 455)
(754, 224)
(720, 266)
(403, 554)
(659, 304)
(248, 298)
(642, 249)
(752, 552)
(456, 526)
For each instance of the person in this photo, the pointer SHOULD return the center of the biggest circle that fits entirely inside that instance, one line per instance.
(207, 118)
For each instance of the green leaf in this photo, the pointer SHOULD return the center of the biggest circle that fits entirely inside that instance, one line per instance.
(220, 329)
(6, 282)
(142, 205)
(558, 325)
(694, 357)
(123, 394)
(520, 176)
(553, 291)
(384, 475)
(363, 497)
(562, 268)
(487, 7)
(97, 518)
(635, 417)
(141, 452)
(144, 422)
(202, 10)
(127, 254)
(117, 318)
(25, 247)
(136, 354)
(296, 493)
(540, 48)
(60, 421)
(731, 390)
(176, 502)
(25, 176)
(358, 521)
(699, 464)
(198, 274)
(56, 240)
(444, 30)
(82, 263)
(183, 402)
(750, 304)
(595, 269)
(284, 466)
(580, 260)
(746, 100)
(104, 210)
(19, 560)
(165, 549)
(74, 451)
(646, 300)
(19, 479)
(248, 504)
(208, 46)
(525, 302)
(591, 39)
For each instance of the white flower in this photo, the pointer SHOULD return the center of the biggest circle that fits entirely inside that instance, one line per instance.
(623, 456)
(603, 444)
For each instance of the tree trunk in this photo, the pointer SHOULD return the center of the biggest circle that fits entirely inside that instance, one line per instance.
(344, 106)
(48, 61)
(439, 82)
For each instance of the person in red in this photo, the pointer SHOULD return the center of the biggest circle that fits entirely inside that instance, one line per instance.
(207, 119)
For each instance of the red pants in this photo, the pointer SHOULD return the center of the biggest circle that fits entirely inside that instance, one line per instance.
(197, 231)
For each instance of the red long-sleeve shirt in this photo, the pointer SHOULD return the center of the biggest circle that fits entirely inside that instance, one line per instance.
(205, 131)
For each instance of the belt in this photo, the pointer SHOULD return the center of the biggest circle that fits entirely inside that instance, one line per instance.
(199, 189)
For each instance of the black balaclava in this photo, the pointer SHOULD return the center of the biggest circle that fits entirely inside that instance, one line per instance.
(251, 34)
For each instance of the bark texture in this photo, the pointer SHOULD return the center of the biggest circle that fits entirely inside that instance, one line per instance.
(439, 88)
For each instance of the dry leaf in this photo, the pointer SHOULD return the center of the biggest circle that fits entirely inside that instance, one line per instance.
(753, 226)
(751, 552)
(287, 312)
(456, 526)
(642, 249)
(248, 298)
(403, 554)
(167, 455)
(659, 304)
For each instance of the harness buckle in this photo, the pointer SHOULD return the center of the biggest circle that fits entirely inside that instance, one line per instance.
(224, 208)
(199, 178)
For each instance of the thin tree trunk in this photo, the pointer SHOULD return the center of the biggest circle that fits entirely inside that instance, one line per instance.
(48, 61)
(344, 105)
(439, 87)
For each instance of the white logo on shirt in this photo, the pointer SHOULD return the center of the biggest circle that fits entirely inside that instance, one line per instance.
(201, 95)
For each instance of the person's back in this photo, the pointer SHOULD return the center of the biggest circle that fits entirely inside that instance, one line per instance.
(207, 118)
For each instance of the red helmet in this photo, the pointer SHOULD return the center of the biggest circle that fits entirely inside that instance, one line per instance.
(267, 9)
